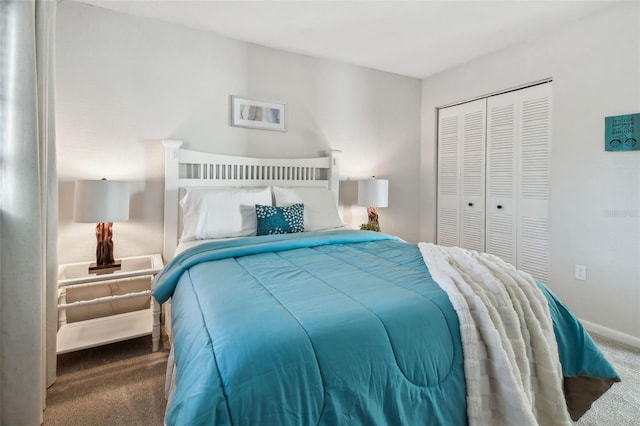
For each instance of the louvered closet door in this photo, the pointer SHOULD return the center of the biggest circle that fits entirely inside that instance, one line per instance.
(461, 174)
(534, 158)
(518, 158)
(501, 174)
(448, 216)
(472, 202)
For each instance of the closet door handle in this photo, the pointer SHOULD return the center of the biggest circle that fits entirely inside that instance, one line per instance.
(470, 204)
(499, 207)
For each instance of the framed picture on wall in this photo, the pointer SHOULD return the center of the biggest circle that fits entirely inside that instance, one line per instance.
(258, 114)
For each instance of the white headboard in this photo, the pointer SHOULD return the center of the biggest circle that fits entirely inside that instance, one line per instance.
(184, 168)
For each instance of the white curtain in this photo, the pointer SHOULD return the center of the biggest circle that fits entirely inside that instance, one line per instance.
(28, 207)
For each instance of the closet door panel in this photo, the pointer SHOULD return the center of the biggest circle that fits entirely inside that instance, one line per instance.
(534, 159)
(472, 201)
(501, 216)
(448, 217)
(461, 174)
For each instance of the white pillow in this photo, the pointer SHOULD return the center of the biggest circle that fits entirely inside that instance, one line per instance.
(221, 212)
(320, 209)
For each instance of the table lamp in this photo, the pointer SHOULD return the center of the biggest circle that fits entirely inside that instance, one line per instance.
(102, 202)
(373, 193)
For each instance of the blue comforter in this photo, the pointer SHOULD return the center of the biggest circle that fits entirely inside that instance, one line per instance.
(329, 328)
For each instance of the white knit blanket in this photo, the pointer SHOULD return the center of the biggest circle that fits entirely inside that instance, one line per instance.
(512, 370)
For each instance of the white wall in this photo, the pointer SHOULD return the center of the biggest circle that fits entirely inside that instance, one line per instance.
(125, 83)
(595, 208)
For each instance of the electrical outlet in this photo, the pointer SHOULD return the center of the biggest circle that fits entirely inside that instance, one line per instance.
(581, 272)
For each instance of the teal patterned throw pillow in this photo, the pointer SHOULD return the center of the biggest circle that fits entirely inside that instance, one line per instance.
(280, 220)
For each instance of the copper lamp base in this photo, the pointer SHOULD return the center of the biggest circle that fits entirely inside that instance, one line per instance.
(373, 224)
(105, 263)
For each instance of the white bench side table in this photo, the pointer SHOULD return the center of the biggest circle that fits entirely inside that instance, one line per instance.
(113, 328)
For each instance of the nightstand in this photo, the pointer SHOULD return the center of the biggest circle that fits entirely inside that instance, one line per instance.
(73, 336)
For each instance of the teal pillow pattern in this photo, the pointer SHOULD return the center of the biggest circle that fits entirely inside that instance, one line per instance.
(280, 220)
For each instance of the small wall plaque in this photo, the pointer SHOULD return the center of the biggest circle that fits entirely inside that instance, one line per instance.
(622, 133)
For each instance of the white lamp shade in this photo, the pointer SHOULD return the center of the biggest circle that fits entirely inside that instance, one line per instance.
(373, 192)
(98, 201)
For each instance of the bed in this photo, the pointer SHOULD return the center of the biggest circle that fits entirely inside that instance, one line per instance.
(334, 326)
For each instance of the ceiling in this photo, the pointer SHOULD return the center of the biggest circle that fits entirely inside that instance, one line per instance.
(412, 38)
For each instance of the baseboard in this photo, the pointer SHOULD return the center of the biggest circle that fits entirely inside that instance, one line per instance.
(612, 334)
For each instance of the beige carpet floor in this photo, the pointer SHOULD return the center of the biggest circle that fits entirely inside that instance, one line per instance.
(620, 405)
(117, 384)
(123, 384)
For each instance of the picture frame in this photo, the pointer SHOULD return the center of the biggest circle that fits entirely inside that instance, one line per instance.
(255, 114)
